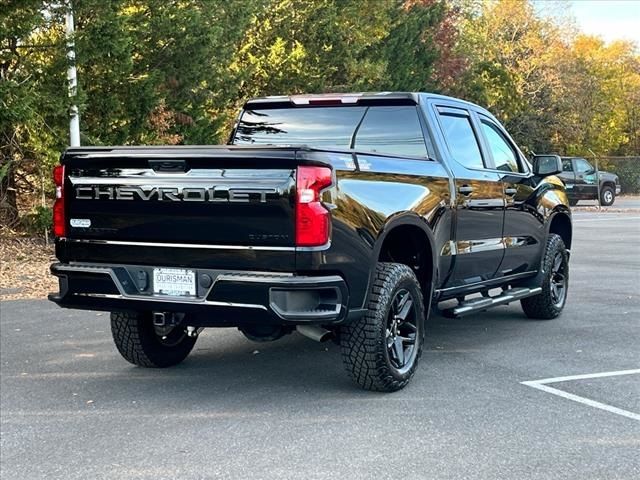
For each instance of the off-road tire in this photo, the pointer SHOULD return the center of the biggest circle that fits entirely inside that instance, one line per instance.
(137, 341)
(542, 306)
(607, 196)
(363, 342)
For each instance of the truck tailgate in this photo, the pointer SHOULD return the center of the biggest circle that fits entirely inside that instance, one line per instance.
(171, 205)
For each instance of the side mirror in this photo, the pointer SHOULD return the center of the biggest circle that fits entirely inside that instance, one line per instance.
(544, 165)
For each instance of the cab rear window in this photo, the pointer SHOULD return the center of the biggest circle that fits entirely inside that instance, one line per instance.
(381, 129)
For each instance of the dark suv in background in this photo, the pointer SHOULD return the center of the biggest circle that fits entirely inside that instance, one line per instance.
(581, 179)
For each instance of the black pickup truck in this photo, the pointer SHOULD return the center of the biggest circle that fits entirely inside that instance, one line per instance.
(339, 216)
(584, 182)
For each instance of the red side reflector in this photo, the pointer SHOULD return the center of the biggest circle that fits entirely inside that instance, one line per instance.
(59, 215)
(313, 222)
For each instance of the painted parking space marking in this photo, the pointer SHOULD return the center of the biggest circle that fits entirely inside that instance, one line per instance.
(576, 218)
(544, 386)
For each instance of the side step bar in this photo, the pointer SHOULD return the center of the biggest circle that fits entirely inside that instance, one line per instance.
(484, 303)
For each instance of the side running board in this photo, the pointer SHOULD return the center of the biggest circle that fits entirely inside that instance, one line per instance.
(484, 303)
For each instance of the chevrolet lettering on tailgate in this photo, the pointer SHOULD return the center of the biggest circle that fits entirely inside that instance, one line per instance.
(173, 194)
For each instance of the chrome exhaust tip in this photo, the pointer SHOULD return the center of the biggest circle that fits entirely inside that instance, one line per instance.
(313, 332)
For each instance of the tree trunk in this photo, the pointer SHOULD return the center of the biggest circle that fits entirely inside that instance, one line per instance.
(8, 202)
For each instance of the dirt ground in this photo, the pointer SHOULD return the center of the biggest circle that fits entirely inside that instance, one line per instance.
(24, 268)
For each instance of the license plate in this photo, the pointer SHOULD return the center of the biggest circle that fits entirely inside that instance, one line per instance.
(176, 282)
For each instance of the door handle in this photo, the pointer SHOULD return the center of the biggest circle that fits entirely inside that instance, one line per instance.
(465, 189)
(511, 191)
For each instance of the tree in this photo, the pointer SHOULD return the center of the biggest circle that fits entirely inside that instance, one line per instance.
(295, 46)
(598, 99)
(554, 89)
(32, 97)
(510, 67)
(156, 71)
(149, 72)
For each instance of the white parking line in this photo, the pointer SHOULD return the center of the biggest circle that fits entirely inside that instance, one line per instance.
(577, 219)
(543, 385)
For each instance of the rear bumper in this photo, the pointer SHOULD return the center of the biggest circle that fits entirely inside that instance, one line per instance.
(618, 190)
(223, 297)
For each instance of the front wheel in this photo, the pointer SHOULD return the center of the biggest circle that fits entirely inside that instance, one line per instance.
(381, 350)
(555, 282)
(607, 196)
(142, 343)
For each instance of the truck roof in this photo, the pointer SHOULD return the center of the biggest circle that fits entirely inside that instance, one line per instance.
(367, 98)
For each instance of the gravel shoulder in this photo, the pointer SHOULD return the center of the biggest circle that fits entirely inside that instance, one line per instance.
(24, 268)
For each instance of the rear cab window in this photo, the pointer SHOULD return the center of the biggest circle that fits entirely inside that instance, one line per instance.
(394, 130)
(323, 127)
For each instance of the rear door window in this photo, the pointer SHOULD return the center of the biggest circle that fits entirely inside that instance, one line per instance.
(461, 139)
(395, 130)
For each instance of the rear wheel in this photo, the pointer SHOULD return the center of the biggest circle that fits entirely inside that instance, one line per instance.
(607, 196)
(381, 350)
(142, 343)
(555, 282)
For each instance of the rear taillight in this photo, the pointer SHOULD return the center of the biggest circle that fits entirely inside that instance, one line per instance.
(313, 222)
(59, 217)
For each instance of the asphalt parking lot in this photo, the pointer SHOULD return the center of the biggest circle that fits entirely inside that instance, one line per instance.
(72, 408)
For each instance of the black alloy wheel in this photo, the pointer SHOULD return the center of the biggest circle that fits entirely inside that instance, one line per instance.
(558, 284)
(402, 329)
(170, 335)
(382, 349)
(553, 278)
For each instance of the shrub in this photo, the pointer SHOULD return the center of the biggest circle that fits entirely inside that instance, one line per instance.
(38, 220)
(628, 169)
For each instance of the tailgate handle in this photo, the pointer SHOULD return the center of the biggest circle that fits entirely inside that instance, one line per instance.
(173, 166)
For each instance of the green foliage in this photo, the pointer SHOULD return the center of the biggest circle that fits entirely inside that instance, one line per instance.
(37, 220)
(556, 90)
(628, 169)
(31, 103)
(294, 46)
(156, 71)
(409, 49)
